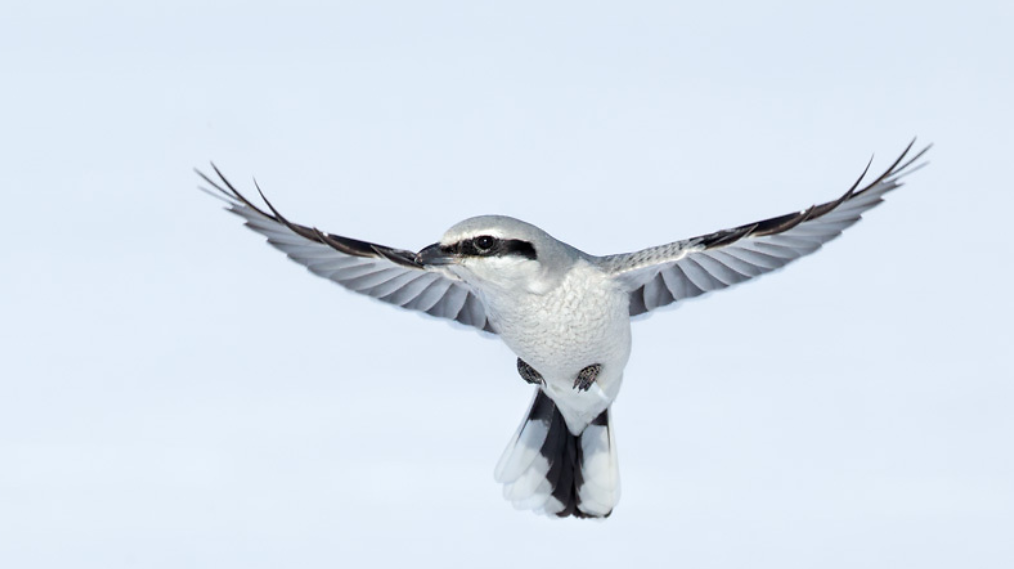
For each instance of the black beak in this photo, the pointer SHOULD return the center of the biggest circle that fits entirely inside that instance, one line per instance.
(434, 256)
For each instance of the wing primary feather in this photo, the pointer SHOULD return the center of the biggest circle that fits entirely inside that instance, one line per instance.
(894, 167)
(330, 241)
(344, 245)
(211, 182)
(404, 258)
(233, 192)
(385, 273)
(211, 193)
(859, 180)
(723, 238)
(903, 169)
(704, 263)
(230, 198)
(297, 229)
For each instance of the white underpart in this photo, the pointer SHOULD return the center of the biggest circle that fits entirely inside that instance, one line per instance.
(583, 321)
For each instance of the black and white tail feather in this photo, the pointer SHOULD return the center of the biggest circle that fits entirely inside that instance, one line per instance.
(548, 469)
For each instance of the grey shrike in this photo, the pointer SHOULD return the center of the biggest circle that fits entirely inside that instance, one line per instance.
(564, 313)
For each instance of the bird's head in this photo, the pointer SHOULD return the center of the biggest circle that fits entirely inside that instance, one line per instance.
(499, 252)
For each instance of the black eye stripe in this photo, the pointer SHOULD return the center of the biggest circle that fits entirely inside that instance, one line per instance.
(519, 248)
(496, 248)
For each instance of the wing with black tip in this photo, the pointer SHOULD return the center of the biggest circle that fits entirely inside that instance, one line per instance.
(387, 274)
(661, 275)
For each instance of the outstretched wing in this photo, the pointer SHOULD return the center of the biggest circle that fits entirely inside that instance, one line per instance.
(387, 274)
(665, 274)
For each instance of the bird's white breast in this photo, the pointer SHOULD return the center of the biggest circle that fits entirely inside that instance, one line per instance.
(582, 321)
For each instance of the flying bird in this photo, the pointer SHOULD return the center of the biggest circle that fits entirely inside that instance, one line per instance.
(565, 313)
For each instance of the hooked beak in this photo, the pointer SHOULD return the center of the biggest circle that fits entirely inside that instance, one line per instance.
(433, 256)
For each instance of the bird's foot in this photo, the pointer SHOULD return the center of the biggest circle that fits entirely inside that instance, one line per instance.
(586, 377)
(529, 374)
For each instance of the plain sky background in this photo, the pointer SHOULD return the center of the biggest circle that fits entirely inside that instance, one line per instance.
(174, 393)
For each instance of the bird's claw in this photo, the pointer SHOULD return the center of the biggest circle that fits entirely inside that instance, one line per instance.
(529, 374)
(586, 377)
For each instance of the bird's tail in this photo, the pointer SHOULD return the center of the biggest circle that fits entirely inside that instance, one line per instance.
(548, 469)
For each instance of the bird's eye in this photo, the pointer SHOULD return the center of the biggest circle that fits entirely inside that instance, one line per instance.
(484, 243)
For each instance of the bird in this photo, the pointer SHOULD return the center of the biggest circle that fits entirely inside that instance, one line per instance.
(565, 314)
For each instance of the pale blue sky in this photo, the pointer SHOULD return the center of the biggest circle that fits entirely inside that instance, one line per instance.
(175, 393)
